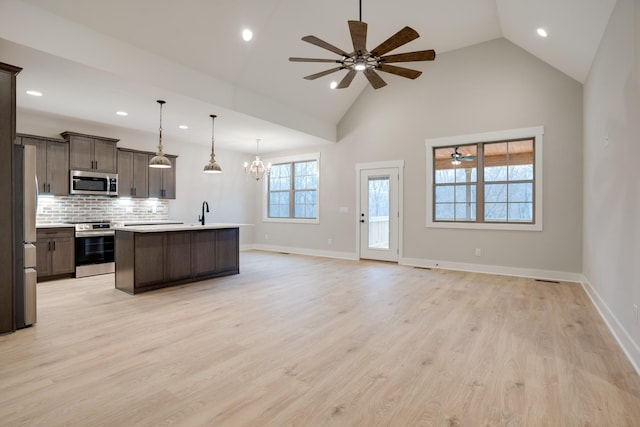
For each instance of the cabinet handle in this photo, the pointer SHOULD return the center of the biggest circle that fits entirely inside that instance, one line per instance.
(49, 188)
(49, 245)
(96, 165)
(54, 245)
(133, 191)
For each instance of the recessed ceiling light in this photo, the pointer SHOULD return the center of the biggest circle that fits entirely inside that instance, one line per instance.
(183, 127)
(542, 32)
(122, 113)
(333, 85)
(247, 35)
(34, 93)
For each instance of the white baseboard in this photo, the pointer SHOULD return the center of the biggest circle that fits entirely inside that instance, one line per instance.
(493, 269)
(301, 251)
(626, 342)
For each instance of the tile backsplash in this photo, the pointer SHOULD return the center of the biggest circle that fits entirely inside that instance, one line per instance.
(53, 210)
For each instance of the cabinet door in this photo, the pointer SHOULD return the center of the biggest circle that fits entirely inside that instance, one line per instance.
(41, 165)
(227, 248)
(155, 181)
(81, 153)
(105, 156)
(63, 255)
(140, 174)
(148, 255)
(125, 173)
(169, 180)
(43, 257)
(204, 252)
(58, 168)
(162, 182)
(178, 255)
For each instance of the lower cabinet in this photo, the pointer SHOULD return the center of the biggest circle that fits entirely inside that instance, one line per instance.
(55, 252)
(153, 260)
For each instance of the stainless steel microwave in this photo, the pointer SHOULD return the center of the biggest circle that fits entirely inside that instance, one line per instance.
(93, 183)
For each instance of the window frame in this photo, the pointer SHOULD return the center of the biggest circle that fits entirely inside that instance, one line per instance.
(300, 158)
(535, 133)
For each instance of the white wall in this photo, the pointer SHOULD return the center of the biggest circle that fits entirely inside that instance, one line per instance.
(487, 87)
(230, 194)
(611, 252)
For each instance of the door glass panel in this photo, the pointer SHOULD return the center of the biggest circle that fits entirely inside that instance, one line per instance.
(379, 213)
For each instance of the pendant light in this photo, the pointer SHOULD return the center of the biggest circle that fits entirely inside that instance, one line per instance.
(212, 166)
(257, 168)
(160, 161)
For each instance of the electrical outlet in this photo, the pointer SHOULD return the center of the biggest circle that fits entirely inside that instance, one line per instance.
(266, 236)
(478, 252)
(635, 312)
(329, 241)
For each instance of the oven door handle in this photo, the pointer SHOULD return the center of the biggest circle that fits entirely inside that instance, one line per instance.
(95, 233)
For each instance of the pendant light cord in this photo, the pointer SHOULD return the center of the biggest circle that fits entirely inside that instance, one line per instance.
(160, 139)
(360, 10)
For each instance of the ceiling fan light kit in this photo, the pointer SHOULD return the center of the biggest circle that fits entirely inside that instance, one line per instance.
(369, 62)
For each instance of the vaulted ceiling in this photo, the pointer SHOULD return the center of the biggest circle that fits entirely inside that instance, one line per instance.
(91, 57)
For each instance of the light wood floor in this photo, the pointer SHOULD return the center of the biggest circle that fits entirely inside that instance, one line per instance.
(302, 341)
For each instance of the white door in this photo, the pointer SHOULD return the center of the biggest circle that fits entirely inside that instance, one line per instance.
(379, 214)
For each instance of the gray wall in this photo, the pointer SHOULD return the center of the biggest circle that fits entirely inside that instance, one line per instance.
(611, 253)
(487, 87)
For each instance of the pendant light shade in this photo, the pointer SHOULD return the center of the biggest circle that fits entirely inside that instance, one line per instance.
(212, 166)
(257, 167)
(159, 160)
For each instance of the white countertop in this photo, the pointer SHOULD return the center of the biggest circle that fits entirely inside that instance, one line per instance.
(133, 223)
(56, 225)
(178, 227)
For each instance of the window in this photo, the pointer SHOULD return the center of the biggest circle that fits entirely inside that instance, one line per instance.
(292, 189)
(486, 181)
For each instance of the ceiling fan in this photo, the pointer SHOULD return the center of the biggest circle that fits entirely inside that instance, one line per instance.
(369, 61)
(457, 157)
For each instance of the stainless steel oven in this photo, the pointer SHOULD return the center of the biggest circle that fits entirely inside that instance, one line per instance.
(95, 249)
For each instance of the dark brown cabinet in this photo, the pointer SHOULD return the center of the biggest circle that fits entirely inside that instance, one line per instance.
(55, 252)
(178, 255)
(8, 246)
(133, 174)
(153, 260)
(52, 164)
(92, 153)
(162, 182)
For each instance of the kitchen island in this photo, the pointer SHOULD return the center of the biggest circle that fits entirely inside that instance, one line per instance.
(151, 257)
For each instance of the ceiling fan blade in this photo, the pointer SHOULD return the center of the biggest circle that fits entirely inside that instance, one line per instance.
(467, 158)
(322, 73)
(314, 60)
(323, 44)
(400, 38)
(374, 78)
(358, 31)
(400, 71)
(421, 55)
(346, 81)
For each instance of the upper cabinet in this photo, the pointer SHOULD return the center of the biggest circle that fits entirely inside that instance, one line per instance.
(52, 164)
(162, 182)
(133, 173)
(92, 153)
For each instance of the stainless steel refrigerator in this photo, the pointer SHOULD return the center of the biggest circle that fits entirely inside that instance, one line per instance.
(25, 205)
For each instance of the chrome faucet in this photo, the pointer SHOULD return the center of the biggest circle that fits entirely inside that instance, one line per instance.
(201, 218)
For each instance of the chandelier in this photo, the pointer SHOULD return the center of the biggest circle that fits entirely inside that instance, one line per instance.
(257, 168)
